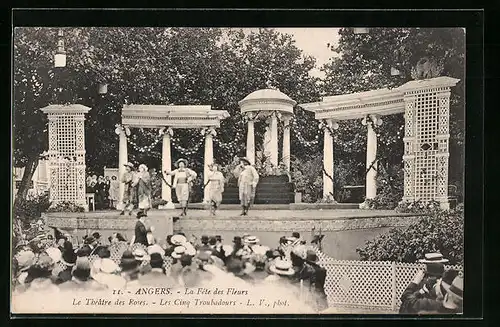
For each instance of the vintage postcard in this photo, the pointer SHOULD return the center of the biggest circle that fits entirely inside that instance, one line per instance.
(175, 170)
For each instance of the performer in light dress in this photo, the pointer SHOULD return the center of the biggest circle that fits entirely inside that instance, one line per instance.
(183, 179)
(128, 191)
(216, 187)
(143, 184)
(247, 183)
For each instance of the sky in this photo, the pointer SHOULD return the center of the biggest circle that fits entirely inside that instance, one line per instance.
(313, 41)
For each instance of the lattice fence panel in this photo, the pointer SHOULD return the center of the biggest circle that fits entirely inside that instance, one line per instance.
(359, 284)
(368, 284)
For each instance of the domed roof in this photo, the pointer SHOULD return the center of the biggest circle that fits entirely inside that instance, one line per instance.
(267, 94)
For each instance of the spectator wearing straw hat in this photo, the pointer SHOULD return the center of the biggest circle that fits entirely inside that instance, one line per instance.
(24, 259)
(106, 274)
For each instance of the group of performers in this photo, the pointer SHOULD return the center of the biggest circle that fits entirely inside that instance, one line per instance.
(140, 181)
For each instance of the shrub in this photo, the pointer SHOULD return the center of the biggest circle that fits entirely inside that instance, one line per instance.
(307, 175)
(438, 231)
(31, 208)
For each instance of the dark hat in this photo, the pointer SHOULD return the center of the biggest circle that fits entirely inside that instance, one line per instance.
(237, 239)
(68, 257)
(141, 214)
(181, 160)
(212, 240)
(156, 260)
(103, 251)
(218, 238)
(89, 240)
(311, 256)
(235, 266)
(434, 269)
(128, 261)
(96, 235)
(204, 239)
(448, 277)
(245, 159)
(296, 234)
(186, 260)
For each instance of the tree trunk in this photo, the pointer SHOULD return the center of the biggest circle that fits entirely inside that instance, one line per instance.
(29, 170)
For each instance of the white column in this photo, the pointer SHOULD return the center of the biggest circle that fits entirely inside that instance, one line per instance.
(371, 157)
(166, 164)
(251, 139)
(328, 160)
(273, 146)
(286, 142)
(209, 159)
(122, 160)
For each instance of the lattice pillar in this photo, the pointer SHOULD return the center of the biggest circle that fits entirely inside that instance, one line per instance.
(427, 139)
(209, 133)
(443, 152)
(67, 153)
(409, 145)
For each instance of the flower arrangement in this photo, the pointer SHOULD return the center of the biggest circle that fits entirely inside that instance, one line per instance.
(265, 167)
(66, 206)
(418, 206)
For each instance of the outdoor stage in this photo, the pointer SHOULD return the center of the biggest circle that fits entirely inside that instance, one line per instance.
(344, 229)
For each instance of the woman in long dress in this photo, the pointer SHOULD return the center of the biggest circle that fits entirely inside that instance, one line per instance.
(216, 187)
(183, 179)
(143, 183)
(128, 191)
(114, 190)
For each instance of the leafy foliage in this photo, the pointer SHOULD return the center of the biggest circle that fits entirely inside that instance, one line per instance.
(438, 231)
(31, 209)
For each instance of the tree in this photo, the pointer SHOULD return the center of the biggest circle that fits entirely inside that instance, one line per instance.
(149, 66)
(364, 63)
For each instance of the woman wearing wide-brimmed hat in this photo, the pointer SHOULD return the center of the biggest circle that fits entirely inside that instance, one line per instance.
(247, 183)
(215, 183)
(128, 191)
(183, 179)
